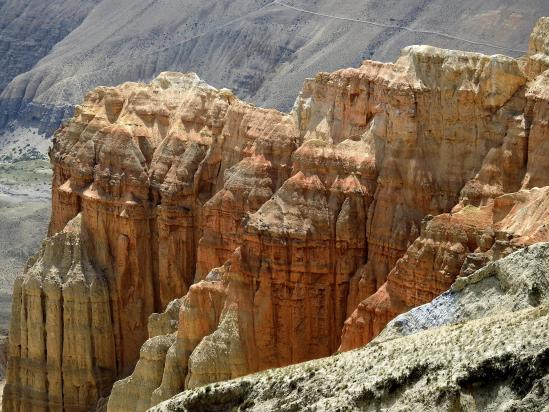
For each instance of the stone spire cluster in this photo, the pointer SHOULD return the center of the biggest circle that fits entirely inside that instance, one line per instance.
(195, 238)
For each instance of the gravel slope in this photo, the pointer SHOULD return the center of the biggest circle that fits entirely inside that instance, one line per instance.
(29, 29)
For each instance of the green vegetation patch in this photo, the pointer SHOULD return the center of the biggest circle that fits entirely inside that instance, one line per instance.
(25, 172)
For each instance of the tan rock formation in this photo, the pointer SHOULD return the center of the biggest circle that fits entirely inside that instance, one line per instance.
(450, 245)
(537, 59)
(160, 373)
(384, 146)
(447, 247)
(61, 351)
(141, 162)
(480, 346)
(271, 230)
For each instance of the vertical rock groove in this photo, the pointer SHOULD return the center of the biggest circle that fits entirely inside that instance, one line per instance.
(195, 238)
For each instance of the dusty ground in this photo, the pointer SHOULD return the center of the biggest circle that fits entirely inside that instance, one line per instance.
(24, 216)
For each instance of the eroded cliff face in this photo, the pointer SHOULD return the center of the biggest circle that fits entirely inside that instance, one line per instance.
(537, 60)
(351, 233)
(482, 345)
(283, 237)
(61, 351)
(450, 245)
(499, 209)
(141, 164)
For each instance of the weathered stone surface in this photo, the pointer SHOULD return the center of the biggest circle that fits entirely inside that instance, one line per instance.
(162, 369)
(450, 245)
(537, 60)
(62, 349)
(140, 163)
(121, 164)
(466, 350)
(271, 230)
(376, 158)
(519, 281)
(468, 237)
(133, 393)
(431, 139)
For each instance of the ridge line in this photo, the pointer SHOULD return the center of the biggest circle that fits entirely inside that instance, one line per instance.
(394, 26)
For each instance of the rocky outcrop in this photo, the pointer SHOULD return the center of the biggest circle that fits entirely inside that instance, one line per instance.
(537, 59)
(61, 349)
(450, 245)
(517, 282)
(141, 163)
(485, 224)
(160, 373)
(376, 159)
(426, 155)
(384, 184)
(43, 83)
(466, 350)
(134, 391)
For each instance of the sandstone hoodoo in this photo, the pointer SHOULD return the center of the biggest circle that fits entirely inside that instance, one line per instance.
(195, 238)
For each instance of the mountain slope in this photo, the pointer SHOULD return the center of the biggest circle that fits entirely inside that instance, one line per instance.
(29, 30)
(261, 49)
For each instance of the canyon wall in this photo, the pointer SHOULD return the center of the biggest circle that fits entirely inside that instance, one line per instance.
(140, 163)
(482, 345)
(436, 132)
(500, 209)
(61, 351)
(271, 238)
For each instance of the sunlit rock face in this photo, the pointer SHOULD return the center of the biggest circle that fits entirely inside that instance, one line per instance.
(62, 348)
(141, 164)
(436, 357)
(499, 209)
(537, 58)
(450, 245)
(258, 239)
(384, 148)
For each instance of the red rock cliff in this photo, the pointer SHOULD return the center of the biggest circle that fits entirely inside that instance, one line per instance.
(281, 237)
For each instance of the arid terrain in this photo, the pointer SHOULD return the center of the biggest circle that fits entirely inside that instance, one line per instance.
(54, 52)
(251, 209)
(400, 208)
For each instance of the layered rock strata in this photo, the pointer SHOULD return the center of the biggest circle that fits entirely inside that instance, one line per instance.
(141, 163)
(450, 245)
(537, 60)
(271, 229)
(499, 209)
